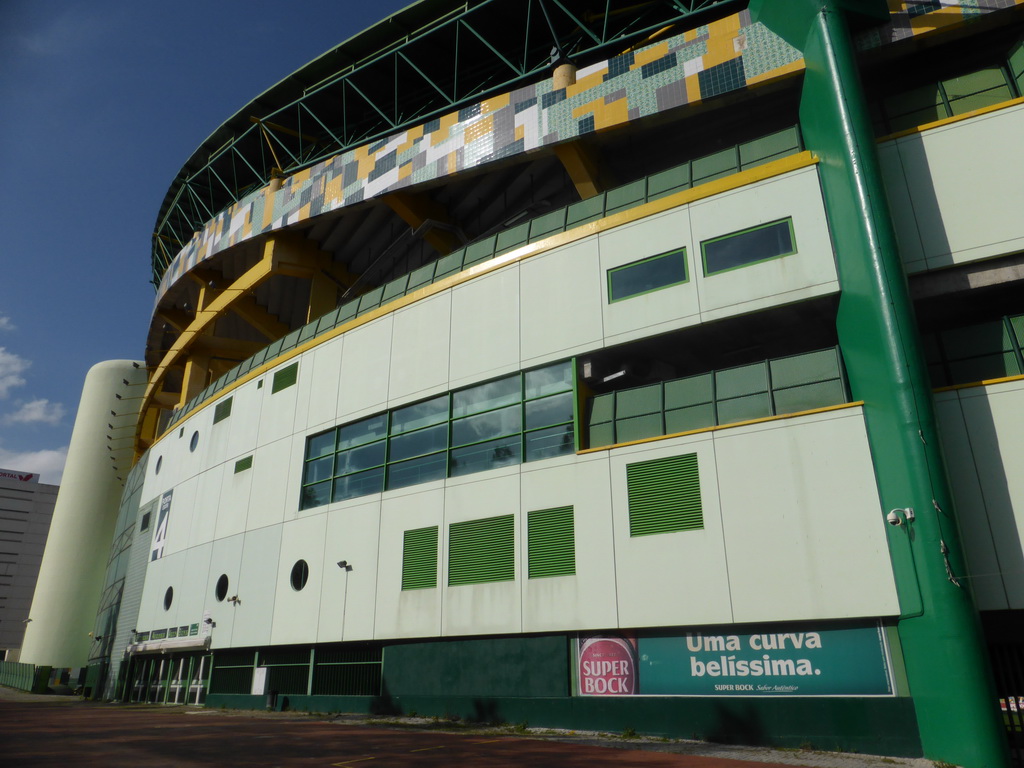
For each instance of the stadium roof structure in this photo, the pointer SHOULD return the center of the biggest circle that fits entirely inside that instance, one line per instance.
(426, 60)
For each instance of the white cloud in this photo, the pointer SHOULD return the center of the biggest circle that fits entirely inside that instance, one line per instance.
(40, 411)
(48, 462)
(6, 324)
(11, 368)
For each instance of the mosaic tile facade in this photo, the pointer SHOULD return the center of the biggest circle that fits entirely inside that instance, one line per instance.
(716, 58)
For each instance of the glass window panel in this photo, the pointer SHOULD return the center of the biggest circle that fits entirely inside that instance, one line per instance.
(744, 408)
(547, 381)
(556, 409)
(638, 427)
(638, 401)
(600, 434)
(748, 247)
(419, 415)
(419, 443)
(483, 456)
(744, 380)
(689, 391)
(320, 445)
(554, 441)
(365, 431)
(488, 425)
(359, 484)
(421, 470)
(647, 275)
(977, 89)
(319, 469)
(690, 417)
(807, 396)
(602, 408)
(316, 495)
(357, 459)
(485, 397)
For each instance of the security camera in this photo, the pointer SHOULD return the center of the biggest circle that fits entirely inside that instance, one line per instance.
(893, 518)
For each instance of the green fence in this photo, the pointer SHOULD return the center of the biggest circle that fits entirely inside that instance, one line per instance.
(768, 388)
(974, 353)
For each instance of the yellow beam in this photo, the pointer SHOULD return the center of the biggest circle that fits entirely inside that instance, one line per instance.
(414, 210)
(581, 167)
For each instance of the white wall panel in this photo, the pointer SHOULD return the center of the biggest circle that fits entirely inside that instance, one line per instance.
(269, 502)
(419, 348)
(995, 424)
(485, 327)
(809, 272)
(969, 495)
(658, 311)
(415, 612)
(297, 612)
(277, 415)
(365, 366)
(225, 559)
(805, 534)
(206, 505)
(233, 506)
(347, 596)
(583, 601)
(670, 578)
(474, 609)
(318, 401)
(908, 239)
(244, 422)
(944, 165)
(257, 585)
(179, 522)
(561, 292)
(161, 574)
(195, 593)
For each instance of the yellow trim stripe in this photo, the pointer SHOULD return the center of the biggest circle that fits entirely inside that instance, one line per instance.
(731, 425)
(735, 181)
(976, 384)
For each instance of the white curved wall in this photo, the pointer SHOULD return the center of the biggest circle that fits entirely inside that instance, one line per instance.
(71, 574)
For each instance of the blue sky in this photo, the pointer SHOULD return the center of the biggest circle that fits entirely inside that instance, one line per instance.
(102, 102)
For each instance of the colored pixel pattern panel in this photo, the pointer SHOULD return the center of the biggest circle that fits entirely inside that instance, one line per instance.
(725, 55)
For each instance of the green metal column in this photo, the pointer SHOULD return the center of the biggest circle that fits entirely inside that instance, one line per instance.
(944, 652)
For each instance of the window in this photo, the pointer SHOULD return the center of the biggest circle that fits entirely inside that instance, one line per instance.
(748, 246)
(664, 496)
(300, 575)
(222, 411)
(481, 551)
(550, 542)
(419, 559)
(193, 443)
(159, 465)
(243, 464)
(144, 524)
(285, 378)
(168, 598)
(647, 275)
(523, 417)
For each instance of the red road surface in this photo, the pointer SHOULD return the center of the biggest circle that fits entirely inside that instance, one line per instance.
(72, 733)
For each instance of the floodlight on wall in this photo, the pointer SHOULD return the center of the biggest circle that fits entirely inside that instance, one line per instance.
(344, 565)
(235, 600)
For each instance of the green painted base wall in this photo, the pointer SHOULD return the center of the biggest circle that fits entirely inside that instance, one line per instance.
(868, 726)
(534, 666)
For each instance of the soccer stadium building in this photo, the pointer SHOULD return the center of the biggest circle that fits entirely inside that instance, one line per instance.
(598, 364)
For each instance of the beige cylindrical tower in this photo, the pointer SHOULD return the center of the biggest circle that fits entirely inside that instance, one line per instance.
(75, 559)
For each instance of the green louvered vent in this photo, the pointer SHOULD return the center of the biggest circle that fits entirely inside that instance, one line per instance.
(285, 378)
(664, 496)
(222, 411)
(419, 559)
(551, 546)
(481, 551)
(243, 464)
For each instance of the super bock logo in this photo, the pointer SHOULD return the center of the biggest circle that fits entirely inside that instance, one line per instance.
(607, 667)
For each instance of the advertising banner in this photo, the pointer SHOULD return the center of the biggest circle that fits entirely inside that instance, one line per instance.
(160, 535)
(774, 661)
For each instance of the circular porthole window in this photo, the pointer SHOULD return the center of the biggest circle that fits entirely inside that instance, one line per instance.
(168, 598)
(194, 441)
(300, 575)
(159, 463)
(221, 590)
